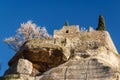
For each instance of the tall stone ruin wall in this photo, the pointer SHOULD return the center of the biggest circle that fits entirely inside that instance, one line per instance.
(75, 36)
(65, 31)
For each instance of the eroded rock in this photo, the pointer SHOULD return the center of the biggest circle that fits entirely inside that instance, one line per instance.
(43, 56)
(22, 66)
(70, 55)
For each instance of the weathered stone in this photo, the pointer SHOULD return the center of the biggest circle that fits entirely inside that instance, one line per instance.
(44, 57)
(70, 55)
(24, 77)
(35, 72)
(23, 66)
(86, 69)
(43, 60)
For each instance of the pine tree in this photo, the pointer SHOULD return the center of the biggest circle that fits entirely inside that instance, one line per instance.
(66, 23)
(101, 24)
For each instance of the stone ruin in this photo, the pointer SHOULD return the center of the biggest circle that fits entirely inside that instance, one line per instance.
(72, 54)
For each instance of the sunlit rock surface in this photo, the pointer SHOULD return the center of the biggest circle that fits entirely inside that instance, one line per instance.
(72, 54)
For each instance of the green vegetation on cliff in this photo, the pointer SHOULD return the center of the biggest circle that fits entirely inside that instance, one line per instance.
(101, 24)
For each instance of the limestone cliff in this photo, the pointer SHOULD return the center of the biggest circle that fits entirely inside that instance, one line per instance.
(72, 54)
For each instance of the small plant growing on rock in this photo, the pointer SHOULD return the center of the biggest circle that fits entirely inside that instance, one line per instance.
(10, 77)
(101, 24)
(66, 23)
(26, 32)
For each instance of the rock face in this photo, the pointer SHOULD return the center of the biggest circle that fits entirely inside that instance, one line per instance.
(23, 66)
(90, 69)
(42, 56)
(72, 54)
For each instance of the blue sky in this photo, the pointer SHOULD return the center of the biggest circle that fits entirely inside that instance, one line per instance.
(52, 14)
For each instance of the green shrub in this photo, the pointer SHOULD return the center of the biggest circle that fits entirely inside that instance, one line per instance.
(66, 23)
(9, 77)
(101, 24)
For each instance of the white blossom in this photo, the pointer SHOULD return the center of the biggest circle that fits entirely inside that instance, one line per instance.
(26, 32)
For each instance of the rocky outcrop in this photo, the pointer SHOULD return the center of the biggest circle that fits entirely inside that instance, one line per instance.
(77, 55)
(96, 67)
(90, 69)
(22, 66)
(42, 56)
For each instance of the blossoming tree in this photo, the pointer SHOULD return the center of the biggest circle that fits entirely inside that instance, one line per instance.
(27, 31)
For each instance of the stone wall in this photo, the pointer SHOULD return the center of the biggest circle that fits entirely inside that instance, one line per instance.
(66, 31)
